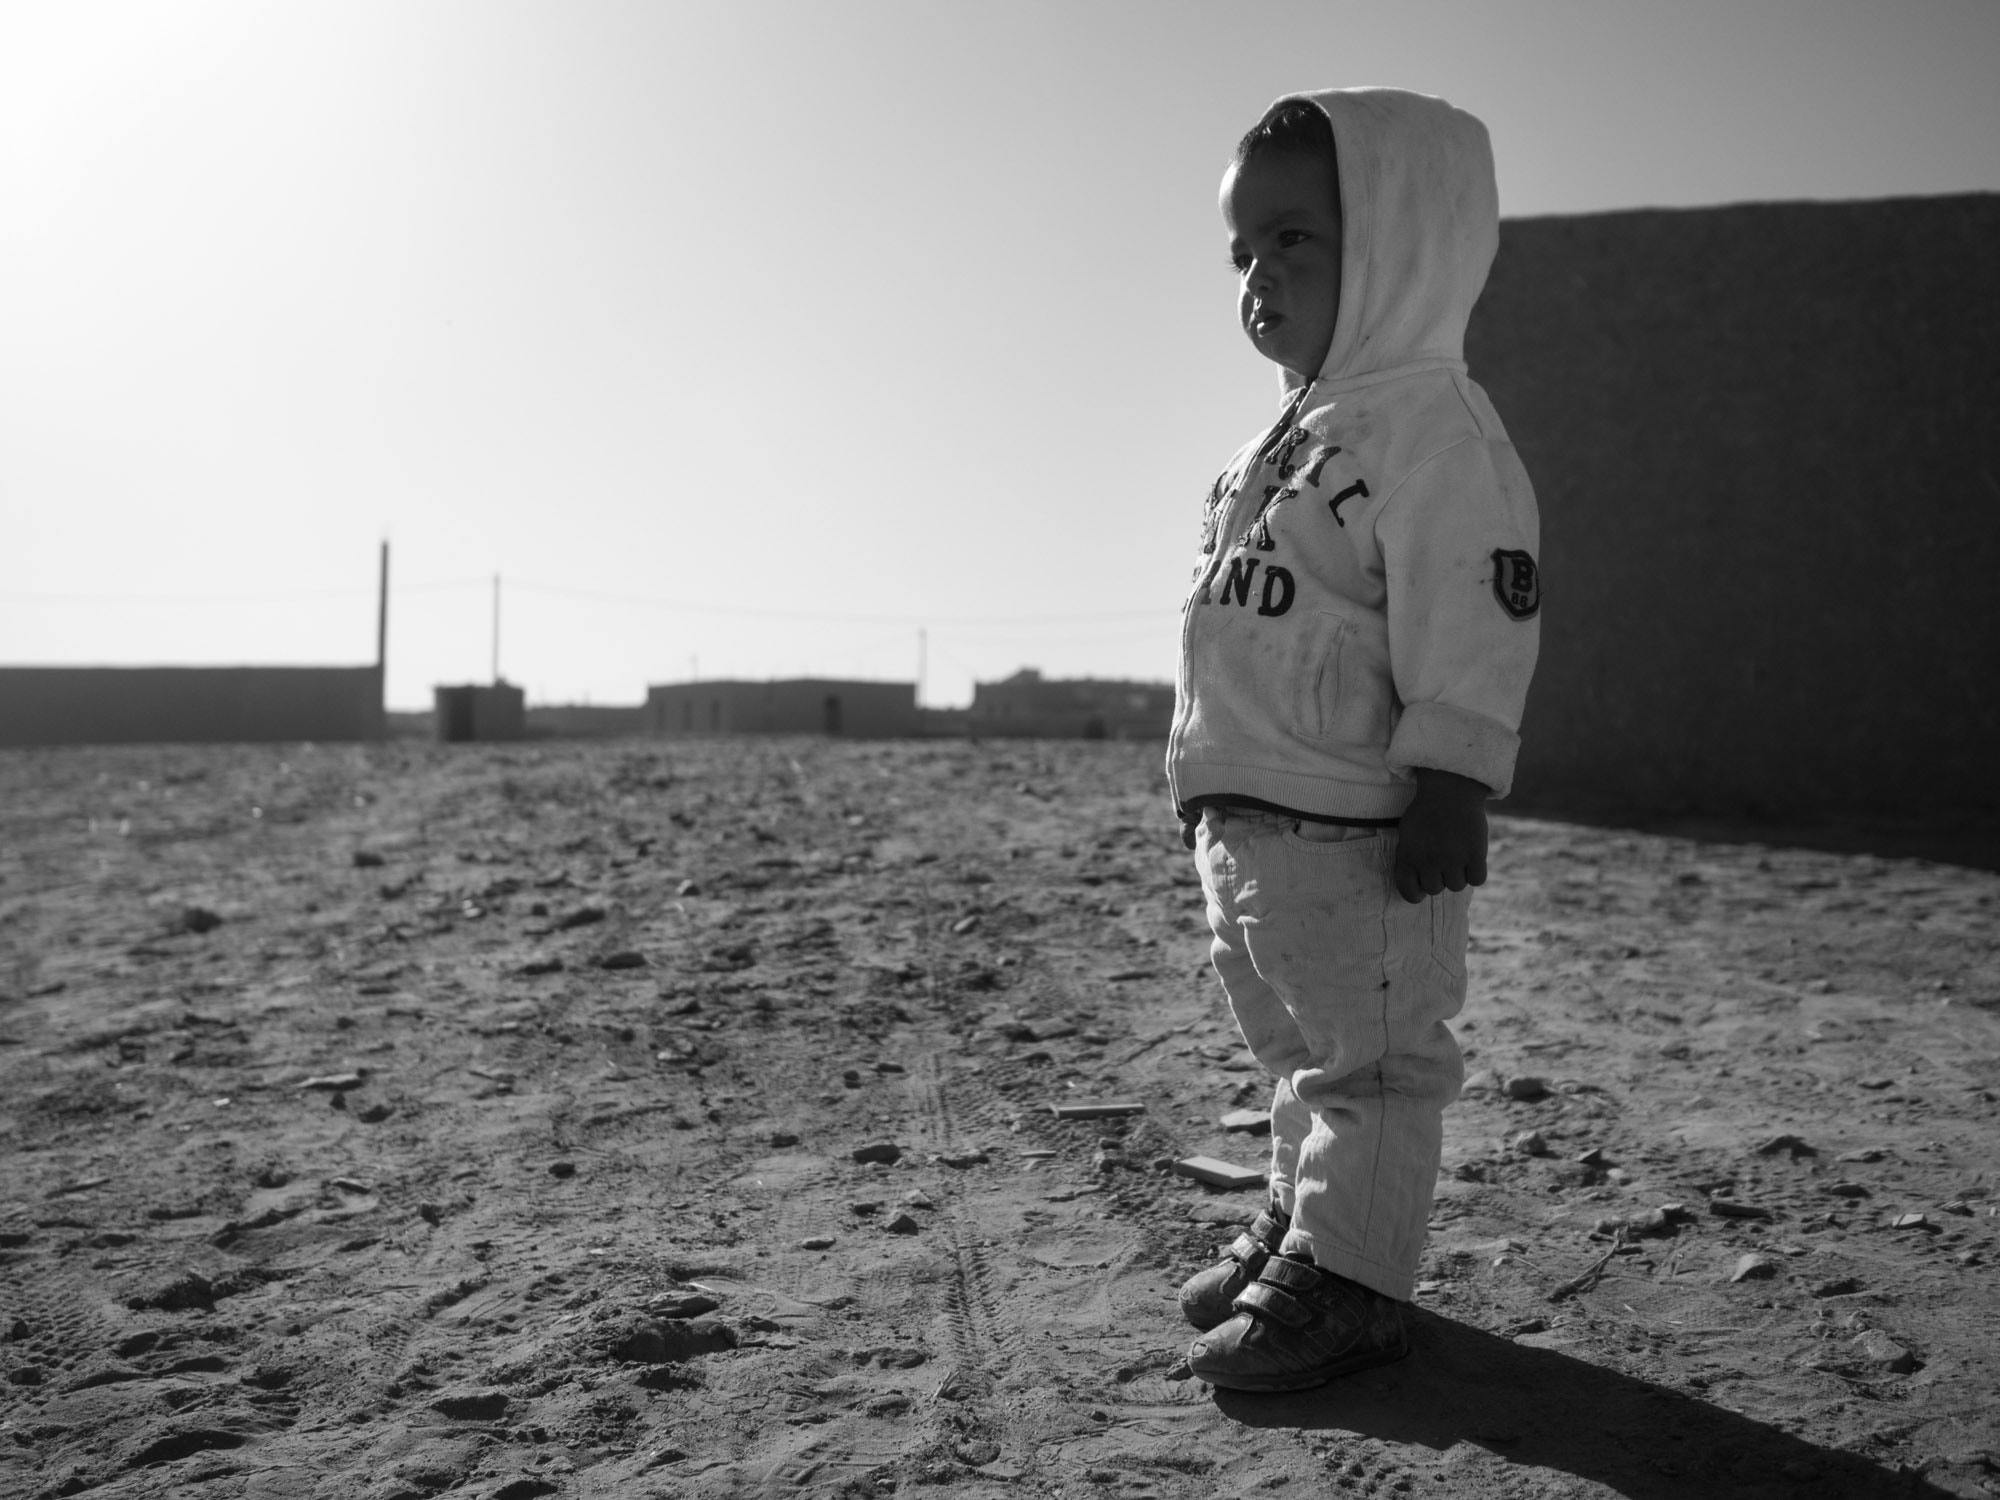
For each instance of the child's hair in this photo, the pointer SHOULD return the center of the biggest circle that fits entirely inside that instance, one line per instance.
(1294, 128)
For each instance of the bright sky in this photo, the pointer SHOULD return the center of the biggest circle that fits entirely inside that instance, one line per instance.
(758, 335)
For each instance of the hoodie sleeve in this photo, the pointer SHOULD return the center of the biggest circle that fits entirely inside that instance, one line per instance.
(1459, 539)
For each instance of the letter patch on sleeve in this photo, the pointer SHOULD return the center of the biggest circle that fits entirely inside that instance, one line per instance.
(1517, 583)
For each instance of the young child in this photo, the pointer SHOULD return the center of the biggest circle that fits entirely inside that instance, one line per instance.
(1354, 657)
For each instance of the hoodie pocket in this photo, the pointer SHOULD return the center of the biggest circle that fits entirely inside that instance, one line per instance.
(1335, 696)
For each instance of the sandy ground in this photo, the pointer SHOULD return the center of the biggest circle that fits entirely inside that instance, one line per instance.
(400, 1121)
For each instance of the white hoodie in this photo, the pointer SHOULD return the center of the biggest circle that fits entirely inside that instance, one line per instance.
(1366, 600)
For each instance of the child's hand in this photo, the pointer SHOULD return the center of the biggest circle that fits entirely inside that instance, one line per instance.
(1442, 844)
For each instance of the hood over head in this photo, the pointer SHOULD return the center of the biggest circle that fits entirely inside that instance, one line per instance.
(1420, 220)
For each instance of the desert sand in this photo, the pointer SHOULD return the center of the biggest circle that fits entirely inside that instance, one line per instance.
(675, 1119)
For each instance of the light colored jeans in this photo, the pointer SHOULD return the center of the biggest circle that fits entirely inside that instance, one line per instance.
(1341, 989)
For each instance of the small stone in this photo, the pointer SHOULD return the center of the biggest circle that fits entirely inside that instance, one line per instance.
(960, 1160)
(1913, 1221)
(852, 1078)
(1594, 1157)
(562, 1169)
(688, 888)
(671, 1340)
(1791, 1145)
(682, 1305)
(1883, 1352)
(583, 916)
(367, 859)
(1840, 1286)
(196, 919)
(1485, 1081)
(1248, 1121)
(918, 1198)
(1846, 1190)
(783, 1138)
(547, 965)
(333, 1082)
(816, 1242)
(1527, 1087)
(964, 925)
(882, 1151)
(1753, 1268)
(624, 958)
(902, 1224)
(1862, 1154)
(865, 1208)
(472, 1406)
(1530, 1143)
(884, 1065)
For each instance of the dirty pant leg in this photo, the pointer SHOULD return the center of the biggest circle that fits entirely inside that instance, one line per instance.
(1291, 1120)
(1354, 986)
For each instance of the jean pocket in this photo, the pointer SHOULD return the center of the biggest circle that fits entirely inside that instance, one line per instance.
(1450, 912)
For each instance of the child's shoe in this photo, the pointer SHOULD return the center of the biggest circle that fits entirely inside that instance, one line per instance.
(1208, 1297)
(1296, 1327)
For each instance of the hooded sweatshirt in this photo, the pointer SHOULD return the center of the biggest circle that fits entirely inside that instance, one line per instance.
(1366, 600)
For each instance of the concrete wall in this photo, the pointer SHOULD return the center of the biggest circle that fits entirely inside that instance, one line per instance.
(141, 705)
(811, 705)
(479, 711)
(1028, 705)
(1763, 438)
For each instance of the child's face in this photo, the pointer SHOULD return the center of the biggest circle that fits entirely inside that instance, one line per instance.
(1282, 211)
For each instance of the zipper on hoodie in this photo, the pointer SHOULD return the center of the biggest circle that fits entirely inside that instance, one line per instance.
(1287, 419)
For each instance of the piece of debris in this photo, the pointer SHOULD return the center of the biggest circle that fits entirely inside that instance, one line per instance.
(1037, 1153)
(682, 1305)
(1594, 1157)
(548, 965)
(1526, 1087)
(688, 888)
(583, 916)
(964, 925)
(624, 958)
(882, 1151)
(1530, 1143)
(1588, 1278)
(782, 1138)
(562, 1169)
(960, 1160)
(337, 1083)
(1248, 1121)
(1846, 1190)
(80, 1185)
(1791, 1145)
(816, 1242)
(1862, 1154)
(1753, 1268)
(884, 1065)
(1729, 1208)
(1840, 1286)
(1103, 1109)
(1913, 1221)
(1219, 1174)
(367, 859)
(902, 1224)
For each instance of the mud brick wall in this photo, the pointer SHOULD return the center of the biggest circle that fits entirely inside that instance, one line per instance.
(1764, 441)
(160, 705)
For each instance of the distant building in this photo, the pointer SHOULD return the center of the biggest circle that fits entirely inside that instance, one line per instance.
(1031, 706)
(494, 712)
(578, 721)
(804, 705)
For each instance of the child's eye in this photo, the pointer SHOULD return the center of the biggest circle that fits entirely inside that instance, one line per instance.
(1292, 237)
(1239, 263)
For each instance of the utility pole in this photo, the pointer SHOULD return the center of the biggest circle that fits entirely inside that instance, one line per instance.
(496, 629)
(382, 612)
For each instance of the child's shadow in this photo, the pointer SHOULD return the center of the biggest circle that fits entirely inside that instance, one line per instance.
(1547, 1410)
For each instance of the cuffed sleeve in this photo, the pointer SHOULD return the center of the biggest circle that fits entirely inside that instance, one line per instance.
(1458, 540)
